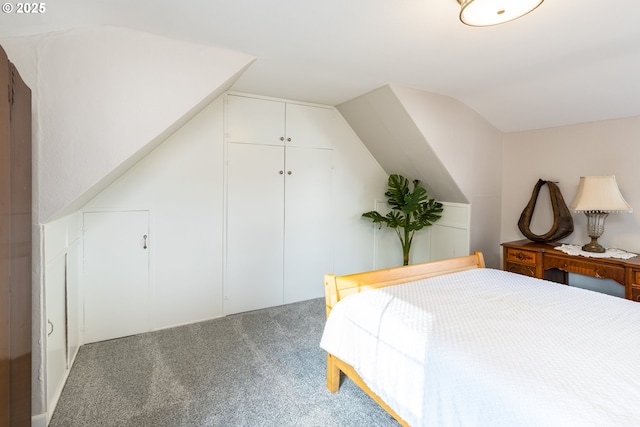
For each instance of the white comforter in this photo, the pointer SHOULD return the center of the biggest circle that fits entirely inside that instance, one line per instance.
(490, 348)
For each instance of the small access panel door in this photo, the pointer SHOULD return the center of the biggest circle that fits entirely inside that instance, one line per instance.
(116, 274)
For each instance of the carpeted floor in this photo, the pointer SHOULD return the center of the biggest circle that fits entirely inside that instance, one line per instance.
(261, 368)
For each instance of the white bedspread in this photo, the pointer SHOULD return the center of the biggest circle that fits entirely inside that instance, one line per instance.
(489, 348)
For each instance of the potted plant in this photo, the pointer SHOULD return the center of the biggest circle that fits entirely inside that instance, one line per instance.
(410, 211)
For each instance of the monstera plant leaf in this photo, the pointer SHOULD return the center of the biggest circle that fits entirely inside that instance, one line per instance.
(410, 211)
(398, 190)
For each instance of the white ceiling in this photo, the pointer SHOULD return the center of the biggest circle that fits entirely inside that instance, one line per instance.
(570, 61)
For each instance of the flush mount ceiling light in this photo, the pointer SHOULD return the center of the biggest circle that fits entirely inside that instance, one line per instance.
(484, 13)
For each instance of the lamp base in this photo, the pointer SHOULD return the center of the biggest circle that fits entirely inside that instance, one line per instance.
(595, 228)
(594, 246)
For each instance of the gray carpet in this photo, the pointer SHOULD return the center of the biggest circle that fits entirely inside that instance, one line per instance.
(261, 368)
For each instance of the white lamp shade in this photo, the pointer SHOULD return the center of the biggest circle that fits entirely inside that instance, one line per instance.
(483, 13)
(599, 193)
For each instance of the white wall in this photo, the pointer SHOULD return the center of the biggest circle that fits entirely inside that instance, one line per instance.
(471, 150)
(63, 303)
(181, 184)
(358, 181)
(563, 154)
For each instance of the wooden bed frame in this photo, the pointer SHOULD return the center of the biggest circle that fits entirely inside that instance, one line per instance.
(339, 287)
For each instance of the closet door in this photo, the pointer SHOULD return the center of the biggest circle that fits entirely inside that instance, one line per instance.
(57, 327)
(308, 225)
(255, 227)
(5, 249)
(21, 246)
(15, 247)
(254, 121)
(309, 126)
(279, 170)
(116, 272)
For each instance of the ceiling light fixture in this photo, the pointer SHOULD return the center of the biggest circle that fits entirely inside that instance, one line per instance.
(484, 13)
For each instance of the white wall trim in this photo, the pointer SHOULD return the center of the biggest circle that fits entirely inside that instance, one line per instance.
(39, 420)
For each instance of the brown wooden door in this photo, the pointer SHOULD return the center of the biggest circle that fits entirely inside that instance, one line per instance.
(5, 244)
(15, 247)
(20, 251)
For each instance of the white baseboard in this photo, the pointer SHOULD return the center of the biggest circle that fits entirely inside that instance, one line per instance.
(52, 401)
(39, 420)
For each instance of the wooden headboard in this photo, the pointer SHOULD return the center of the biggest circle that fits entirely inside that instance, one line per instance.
(339, 287)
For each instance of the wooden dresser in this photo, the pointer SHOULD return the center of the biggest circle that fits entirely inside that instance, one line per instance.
(541, 260)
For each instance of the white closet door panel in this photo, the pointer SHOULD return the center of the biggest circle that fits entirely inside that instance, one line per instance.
(254, 121)
(116, 274)
(255, 227)
(57, 355)
(309, 126)
(308, 226)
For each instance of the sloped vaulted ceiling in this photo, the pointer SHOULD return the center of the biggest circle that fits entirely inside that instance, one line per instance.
(105, 97)
(421, 136)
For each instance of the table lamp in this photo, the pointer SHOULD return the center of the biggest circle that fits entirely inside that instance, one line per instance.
(597, 197)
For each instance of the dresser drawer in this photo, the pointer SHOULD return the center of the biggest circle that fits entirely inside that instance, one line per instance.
(524, 269)
(635, 293)
(588, 268)
(520, 256)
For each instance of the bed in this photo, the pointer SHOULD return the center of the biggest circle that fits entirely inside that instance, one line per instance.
(452, 343)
